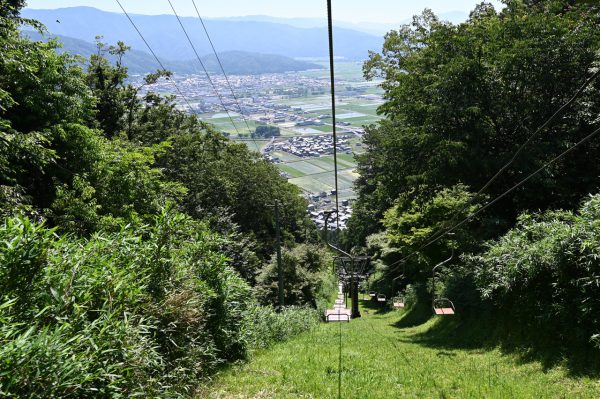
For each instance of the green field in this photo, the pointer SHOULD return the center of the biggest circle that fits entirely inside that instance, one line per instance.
(306, 167)
(315, 175)
(384, 355)
(290, 170)
(285, 156)
(312, 185)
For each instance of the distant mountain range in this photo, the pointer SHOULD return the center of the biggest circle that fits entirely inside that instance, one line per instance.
(234, 62)
(168, 40)
(378, 29)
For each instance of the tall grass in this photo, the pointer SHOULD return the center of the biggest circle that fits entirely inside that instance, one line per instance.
(143, 313)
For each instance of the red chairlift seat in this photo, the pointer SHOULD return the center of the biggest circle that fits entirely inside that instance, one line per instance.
(443, 307)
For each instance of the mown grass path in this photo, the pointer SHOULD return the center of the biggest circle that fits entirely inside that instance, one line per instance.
(380, 360)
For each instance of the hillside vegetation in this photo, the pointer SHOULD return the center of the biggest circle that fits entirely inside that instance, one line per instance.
(132, 234)
(384, 356)
(137, 243)
(462, 101)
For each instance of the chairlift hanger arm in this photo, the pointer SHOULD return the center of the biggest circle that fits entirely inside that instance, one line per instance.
(444, 262)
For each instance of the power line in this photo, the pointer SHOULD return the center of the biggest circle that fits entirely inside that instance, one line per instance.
(498, 198)
(155, 57)
(332, 83)
(578, 93)
(223, 70)
(203, 67)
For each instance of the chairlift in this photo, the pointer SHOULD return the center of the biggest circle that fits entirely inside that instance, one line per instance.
(381, 298)
(372, 294)
(399, 302)
(441, 306)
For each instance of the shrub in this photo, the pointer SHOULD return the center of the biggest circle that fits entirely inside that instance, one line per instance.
(306, 275)
(266, 326)
(133, 313)
(546, 273)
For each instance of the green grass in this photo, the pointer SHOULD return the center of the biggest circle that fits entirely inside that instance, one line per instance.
(321, 175)
(347, 158)
(311, 185)
(293, 172)
(285, 156)
(306, 168)
(381, 359)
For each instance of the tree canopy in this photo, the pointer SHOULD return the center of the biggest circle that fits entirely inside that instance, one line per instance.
(461, 99)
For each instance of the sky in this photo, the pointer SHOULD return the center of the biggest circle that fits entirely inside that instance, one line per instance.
(356, 11)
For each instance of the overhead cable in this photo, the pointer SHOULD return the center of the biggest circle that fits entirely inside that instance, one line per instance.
(204, 67)
(156, 57)
(225, 74)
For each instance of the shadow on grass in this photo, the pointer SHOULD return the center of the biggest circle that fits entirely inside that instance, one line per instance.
(371, 306)
(415, 315)
(488, 331)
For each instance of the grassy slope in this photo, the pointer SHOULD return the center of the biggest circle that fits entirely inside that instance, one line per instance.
(382, 360)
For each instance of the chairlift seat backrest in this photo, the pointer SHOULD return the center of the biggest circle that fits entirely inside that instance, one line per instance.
(443, 306)
(399, 304)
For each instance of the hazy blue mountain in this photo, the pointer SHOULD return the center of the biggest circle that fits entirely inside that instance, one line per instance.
(234, 62)
(136, 61)
(169, 42)
(246, 63)
(372, 28)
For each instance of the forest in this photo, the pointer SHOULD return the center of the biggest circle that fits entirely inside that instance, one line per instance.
(137, 242)
(471, 111)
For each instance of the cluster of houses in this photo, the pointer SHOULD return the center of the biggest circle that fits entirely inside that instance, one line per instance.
(313, 146)
(325, 212)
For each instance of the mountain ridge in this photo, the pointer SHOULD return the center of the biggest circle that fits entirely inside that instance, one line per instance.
(168, 40)
(234, 62)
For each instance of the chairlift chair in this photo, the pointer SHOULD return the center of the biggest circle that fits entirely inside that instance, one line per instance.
(399, 302)
(381, 298)
(441, 306)
(372, 294)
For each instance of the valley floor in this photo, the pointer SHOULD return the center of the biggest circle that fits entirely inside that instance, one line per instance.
(382, 359)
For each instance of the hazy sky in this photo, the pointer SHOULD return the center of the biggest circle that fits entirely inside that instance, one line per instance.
(385, 11)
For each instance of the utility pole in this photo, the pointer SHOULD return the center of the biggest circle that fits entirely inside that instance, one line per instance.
(354, 283)
(279, 265)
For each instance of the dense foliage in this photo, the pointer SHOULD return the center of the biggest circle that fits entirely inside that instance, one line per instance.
(138, 312)
(131, 233)
(267, 131)
(307, 277)
(548, 265)
(460, 100)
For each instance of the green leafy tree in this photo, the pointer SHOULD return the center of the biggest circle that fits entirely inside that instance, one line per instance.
(411, 223)
(306, 271)
(460, 99)
(267, 131)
